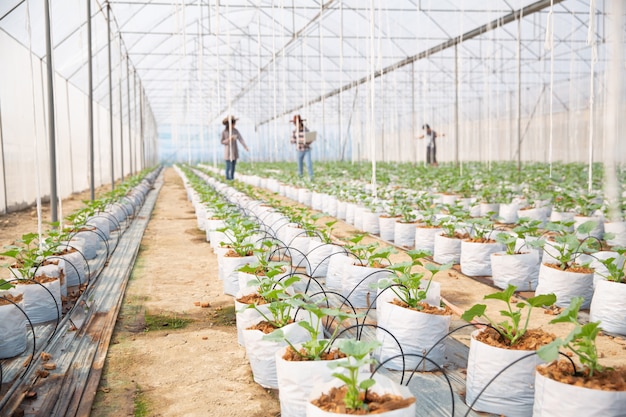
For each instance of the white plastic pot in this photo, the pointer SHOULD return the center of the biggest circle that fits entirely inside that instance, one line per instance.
(476, 257)
(446, 250)
(416, 332)
(565, 285)
(520, 269)
(319, 255)
(335, 272)
(508, 213)
(618, 229)
(387, 226)
(556, 399)
(246, 317)
(74, 269)
(12, 328)
(425, 238)
(356, 284)
(262, 353)
(608, 305)
(370, 222)
(42, 302)
(404, 234)
(230, 273)
(512, 392)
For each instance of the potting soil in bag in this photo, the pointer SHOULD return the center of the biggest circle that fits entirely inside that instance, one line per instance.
(246, 317)
(382, 386)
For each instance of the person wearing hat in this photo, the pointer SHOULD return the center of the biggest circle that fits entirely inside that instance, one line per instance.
(431, 146)
(304, 149)
(230, 136)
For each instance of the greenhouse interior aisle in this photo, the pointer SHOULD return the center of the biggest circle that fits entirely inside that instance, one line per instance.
(197, 370)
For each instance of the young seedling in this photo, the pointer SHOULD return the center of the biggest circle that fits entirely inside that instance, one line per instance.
(512, 328)
(408, 286)
(358, 355)
(581, 340)
(509, 242)
(614, 272)
(567, 247)
(312, 349)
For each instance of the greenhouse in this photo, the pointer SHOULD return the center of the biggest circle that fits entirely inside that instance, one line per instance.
(312, 208)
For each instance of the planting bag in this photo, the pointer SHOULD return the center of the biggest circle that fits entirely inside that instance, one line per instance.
(555, 399)
(387, 226)
(102, 224)
(508, 213)
(600, 272)
(350, 207)
(304, 196)
(521, 270)
(318, 256)
(404, 235)
(446, 250)
(341, 210)
(597, 231)
(317, 201)
(296, 380)
(262, 353)
(355, 285)
(330, 205)
(535, 213)
(299, 249)
(230, 266)
(335, 272)
(425, 238)
(248, 317)
(55, 271)
(565, 285)
(618, 229)
(512, 392)
(383, 385)
(358, 217)
(416, 332)
(91, 243)
(476, 258)
(371, 223)
(13, 330)
(39, 304)
(74, 269)
(609, 306)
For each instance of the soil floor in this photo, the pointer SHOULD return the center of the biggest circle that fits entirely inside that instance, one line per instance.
(174, 350)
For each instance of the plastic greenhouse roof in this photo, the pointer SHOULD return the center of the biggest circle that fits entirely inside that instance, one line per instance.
(198, 60)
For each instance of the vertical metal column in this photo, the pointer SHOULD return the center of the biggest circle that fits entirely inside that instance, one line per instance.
(141, 137)
(51, 128)
(519, 94)
(110, 93)
(456, 104)
(90, 105)
(119, 82)
(413, 134)
(4, 171)
(130, 143)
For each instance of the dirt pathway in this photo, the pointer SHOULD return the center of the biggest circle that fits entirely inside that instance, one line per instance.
(156, 366)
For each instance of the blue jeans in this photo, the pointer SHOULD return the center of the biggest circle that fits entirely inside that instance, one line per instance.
(230, 169)
(301, 156)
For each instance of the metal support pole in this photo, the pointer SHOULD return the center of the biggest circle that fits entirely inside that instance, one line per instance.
(90, 105)
(130, 143)
(519, 94)
(141, 132)
(413, 133)
(110, 93)
(456, 104)
(119, 82)
(51, 128)
(4, 170)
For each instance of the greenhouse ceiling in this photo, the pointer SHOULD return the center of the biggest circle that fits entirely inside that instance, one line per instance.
(197, 60)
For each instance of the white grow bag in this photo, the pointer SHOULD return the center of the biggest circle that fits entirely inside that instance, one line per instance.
(336, 269)
(608, 305)
(42, 302)
(356, 282)
(230, 273)
(387, 226)
(319, 256)
(476, 257)
(446, 250)
(425, 238)
(12, 328)
(510, 394)
(521, 270)
(404, 234)
(565, 285)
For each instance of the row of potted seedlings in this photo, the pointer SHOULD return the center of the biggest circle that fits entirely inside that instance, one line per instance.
(293, 335)
(581, 340)
(47, 273)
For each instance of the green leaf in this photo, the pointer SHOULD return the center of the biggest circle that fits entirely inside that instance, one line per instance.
(587, 227)
(542, 300)
(477, 310)
(550, 352)
(504, 295)
(367, 384)
(570, 314)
